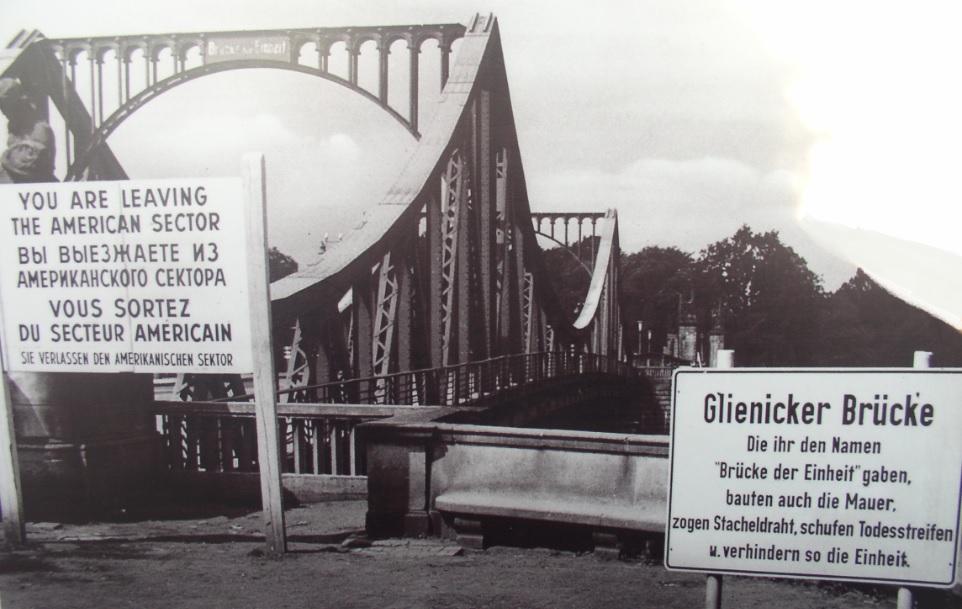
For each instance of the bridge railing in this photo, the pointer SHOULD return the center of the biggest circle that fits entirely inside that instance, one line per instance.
(460, 384)
(318, 423)
(657, 365)
(221, 436)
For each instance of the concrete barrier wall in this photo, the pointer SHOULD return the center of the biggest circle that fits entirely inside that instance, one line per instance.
(546, 463)
(422, 473)
(585, 478)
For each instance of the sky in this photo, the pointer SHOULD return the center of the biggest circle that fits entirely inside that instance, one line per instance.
(833, 123)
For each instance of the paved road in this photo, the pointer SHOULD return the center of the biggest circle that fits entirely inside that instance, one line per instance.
(219, 561)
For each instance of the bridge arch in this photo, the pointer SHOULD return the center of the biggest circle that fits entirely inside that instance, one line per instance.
(134, 103)
(113, 64)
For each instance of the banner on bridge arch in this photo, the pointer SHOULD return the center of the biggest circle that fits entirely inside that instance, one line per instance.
(126, 276)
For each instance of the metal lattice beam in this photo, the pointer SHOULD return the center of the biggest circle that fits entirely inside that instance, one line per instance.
(452, 194)
(385, 316)
(298, 372)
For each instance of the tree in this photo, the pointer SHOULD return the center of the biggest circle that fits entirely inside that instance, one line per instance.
(651, 281)
(279, 264)
(865, 325)
(771, 301)
(570, 275)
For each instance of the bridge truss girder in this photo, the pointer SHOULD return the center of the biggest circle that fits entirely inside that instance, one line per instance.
(455, 276)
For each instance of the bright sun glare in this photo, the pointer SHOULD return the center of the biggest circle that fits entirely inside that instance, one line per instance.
(876, 84)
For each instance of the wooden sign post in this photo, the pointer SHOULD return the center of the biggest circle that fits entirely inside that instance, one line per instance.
(265, 393)
(11, 500)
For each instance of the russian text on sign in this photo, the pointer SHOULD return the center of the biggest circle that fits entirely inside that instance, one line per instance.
(138, 275)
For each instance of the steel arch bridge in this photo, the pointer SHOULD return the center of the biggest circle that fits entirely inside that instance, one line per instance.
(50, 68)
(446, 272)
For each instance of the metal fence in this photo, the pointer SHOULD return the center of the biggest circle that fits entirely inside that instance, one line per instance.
(318, 423)
(221, 436)
(461, 384)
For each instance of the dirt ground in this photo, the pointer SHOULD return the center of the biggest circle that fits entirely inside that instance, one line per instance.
(218, 561)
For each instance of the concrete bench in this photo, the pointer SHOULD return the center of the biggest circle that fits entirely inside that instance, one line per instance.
(608, 520)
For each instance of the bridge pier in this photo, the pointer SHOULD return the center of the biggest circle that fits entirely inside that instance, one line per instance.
(399, 484)
(85, 444)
